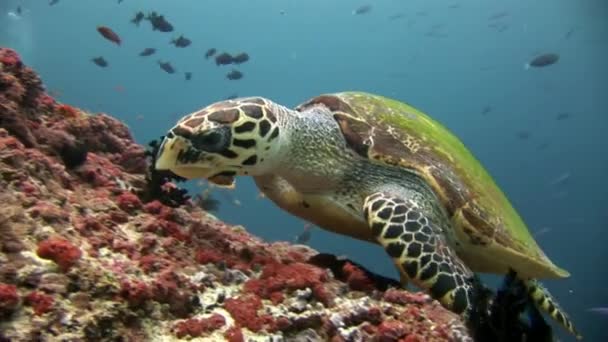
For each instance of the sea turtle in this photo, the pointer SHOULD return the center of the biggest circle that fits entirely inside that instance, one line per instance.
(375, 169)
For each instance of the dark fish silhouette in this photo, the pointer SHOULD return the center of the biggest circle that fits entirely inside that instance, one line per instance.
(240, 58)
(53, 2)
(234, 75)
(108, 34)
(305, 235)
(486, 110)
(498, 15)
(231, 96)
(100, 61)
(523, 135)
(600, 310)
(181, 42)
(362, 10)
(139, 16)
(147, 52)
(210, 53)
(543, 60)
(159, 23)
(569, 33)
(18, 10)
(188, 76)
(223, 59)
(562, 116)
(167, 67)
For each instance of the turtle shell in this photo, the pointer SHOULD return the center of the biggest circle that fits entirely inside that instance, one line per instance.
(491, 234)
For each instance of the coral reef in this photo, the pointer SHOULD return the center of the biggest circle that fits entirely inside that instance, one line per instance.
(90, 252)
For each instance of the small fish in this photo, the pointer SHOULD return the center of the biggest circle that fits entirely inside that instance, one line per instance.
(523, 135)
(362, 10)
(562, 116)
(240, 58)
(542, 146)
(159, 23)
(231, 96)
(147, 52)
(181, 42)
(223, 59)
(108, 34)
(53, 2)
(305, 235)
(167, 67)
(210, 53)
(100, 61)
(234, 75)
(542, 60)
(498, 15)
(599, 310)
(561, 179)
(541, 232)
(188, 75)
(486, 110)
(569, 33)
(139, 16)
(396, 16)
(18, 10)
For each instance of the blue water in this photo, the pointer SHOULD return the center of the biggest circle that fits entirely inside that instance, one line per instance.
(446, 61)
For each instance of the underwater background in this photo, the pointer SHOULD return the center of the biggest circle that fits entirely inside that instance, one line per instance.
(541, 132)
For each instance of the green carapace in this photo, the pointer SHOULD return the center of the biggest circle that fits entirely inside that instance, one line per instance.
(375, 169)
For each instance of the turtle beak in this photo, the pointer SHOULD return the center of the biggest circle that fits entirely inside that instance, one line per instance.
(167, 159)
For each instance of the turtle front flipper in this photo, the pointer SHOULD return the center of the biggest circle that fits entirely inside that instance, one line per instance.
(419, 250)
(544, 301)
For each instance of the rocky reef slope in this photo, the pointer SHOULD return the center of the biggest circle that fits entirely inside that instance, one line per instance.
(94, 248)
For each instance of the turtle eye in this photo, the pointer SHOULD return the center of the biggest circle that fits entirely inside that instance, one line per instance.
(215, 140)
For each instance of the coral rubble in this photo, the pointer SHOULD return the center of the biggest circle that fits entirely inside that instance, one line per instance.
(86, 253)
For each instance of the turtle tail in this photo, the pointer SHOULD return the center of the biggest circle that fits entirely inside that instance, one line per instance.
(544, 301)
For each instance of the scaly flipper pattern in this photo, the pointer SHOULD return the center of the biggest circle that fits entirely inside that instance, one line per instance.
(419, 250)
(545, 302)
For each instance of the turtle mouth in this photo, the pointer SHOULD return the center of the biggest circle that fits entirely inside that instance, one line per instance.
(177, 156)
(191, 172)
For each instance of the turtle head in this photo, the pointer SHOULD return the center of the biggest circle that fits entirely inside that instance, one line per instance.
(222, 141)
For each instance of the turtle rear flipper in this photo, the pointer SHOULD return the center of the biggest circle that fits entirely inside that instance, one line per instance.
(544, 301)
(419, 250)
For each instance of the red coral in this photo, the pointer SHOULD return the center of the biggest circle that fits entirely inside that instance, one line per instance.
(390, 330)
(49, 212)
(195, 327)
(136, 293)
(46, 101)
(67, 111)
(244, 310)
(153, 207)
(9, 299)
(403, 297)
(356, 279)
(278, 277)
(61, 251)
(40, 302)
(9, 57)
(128, 202)
(234, 334)
(207, 256)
